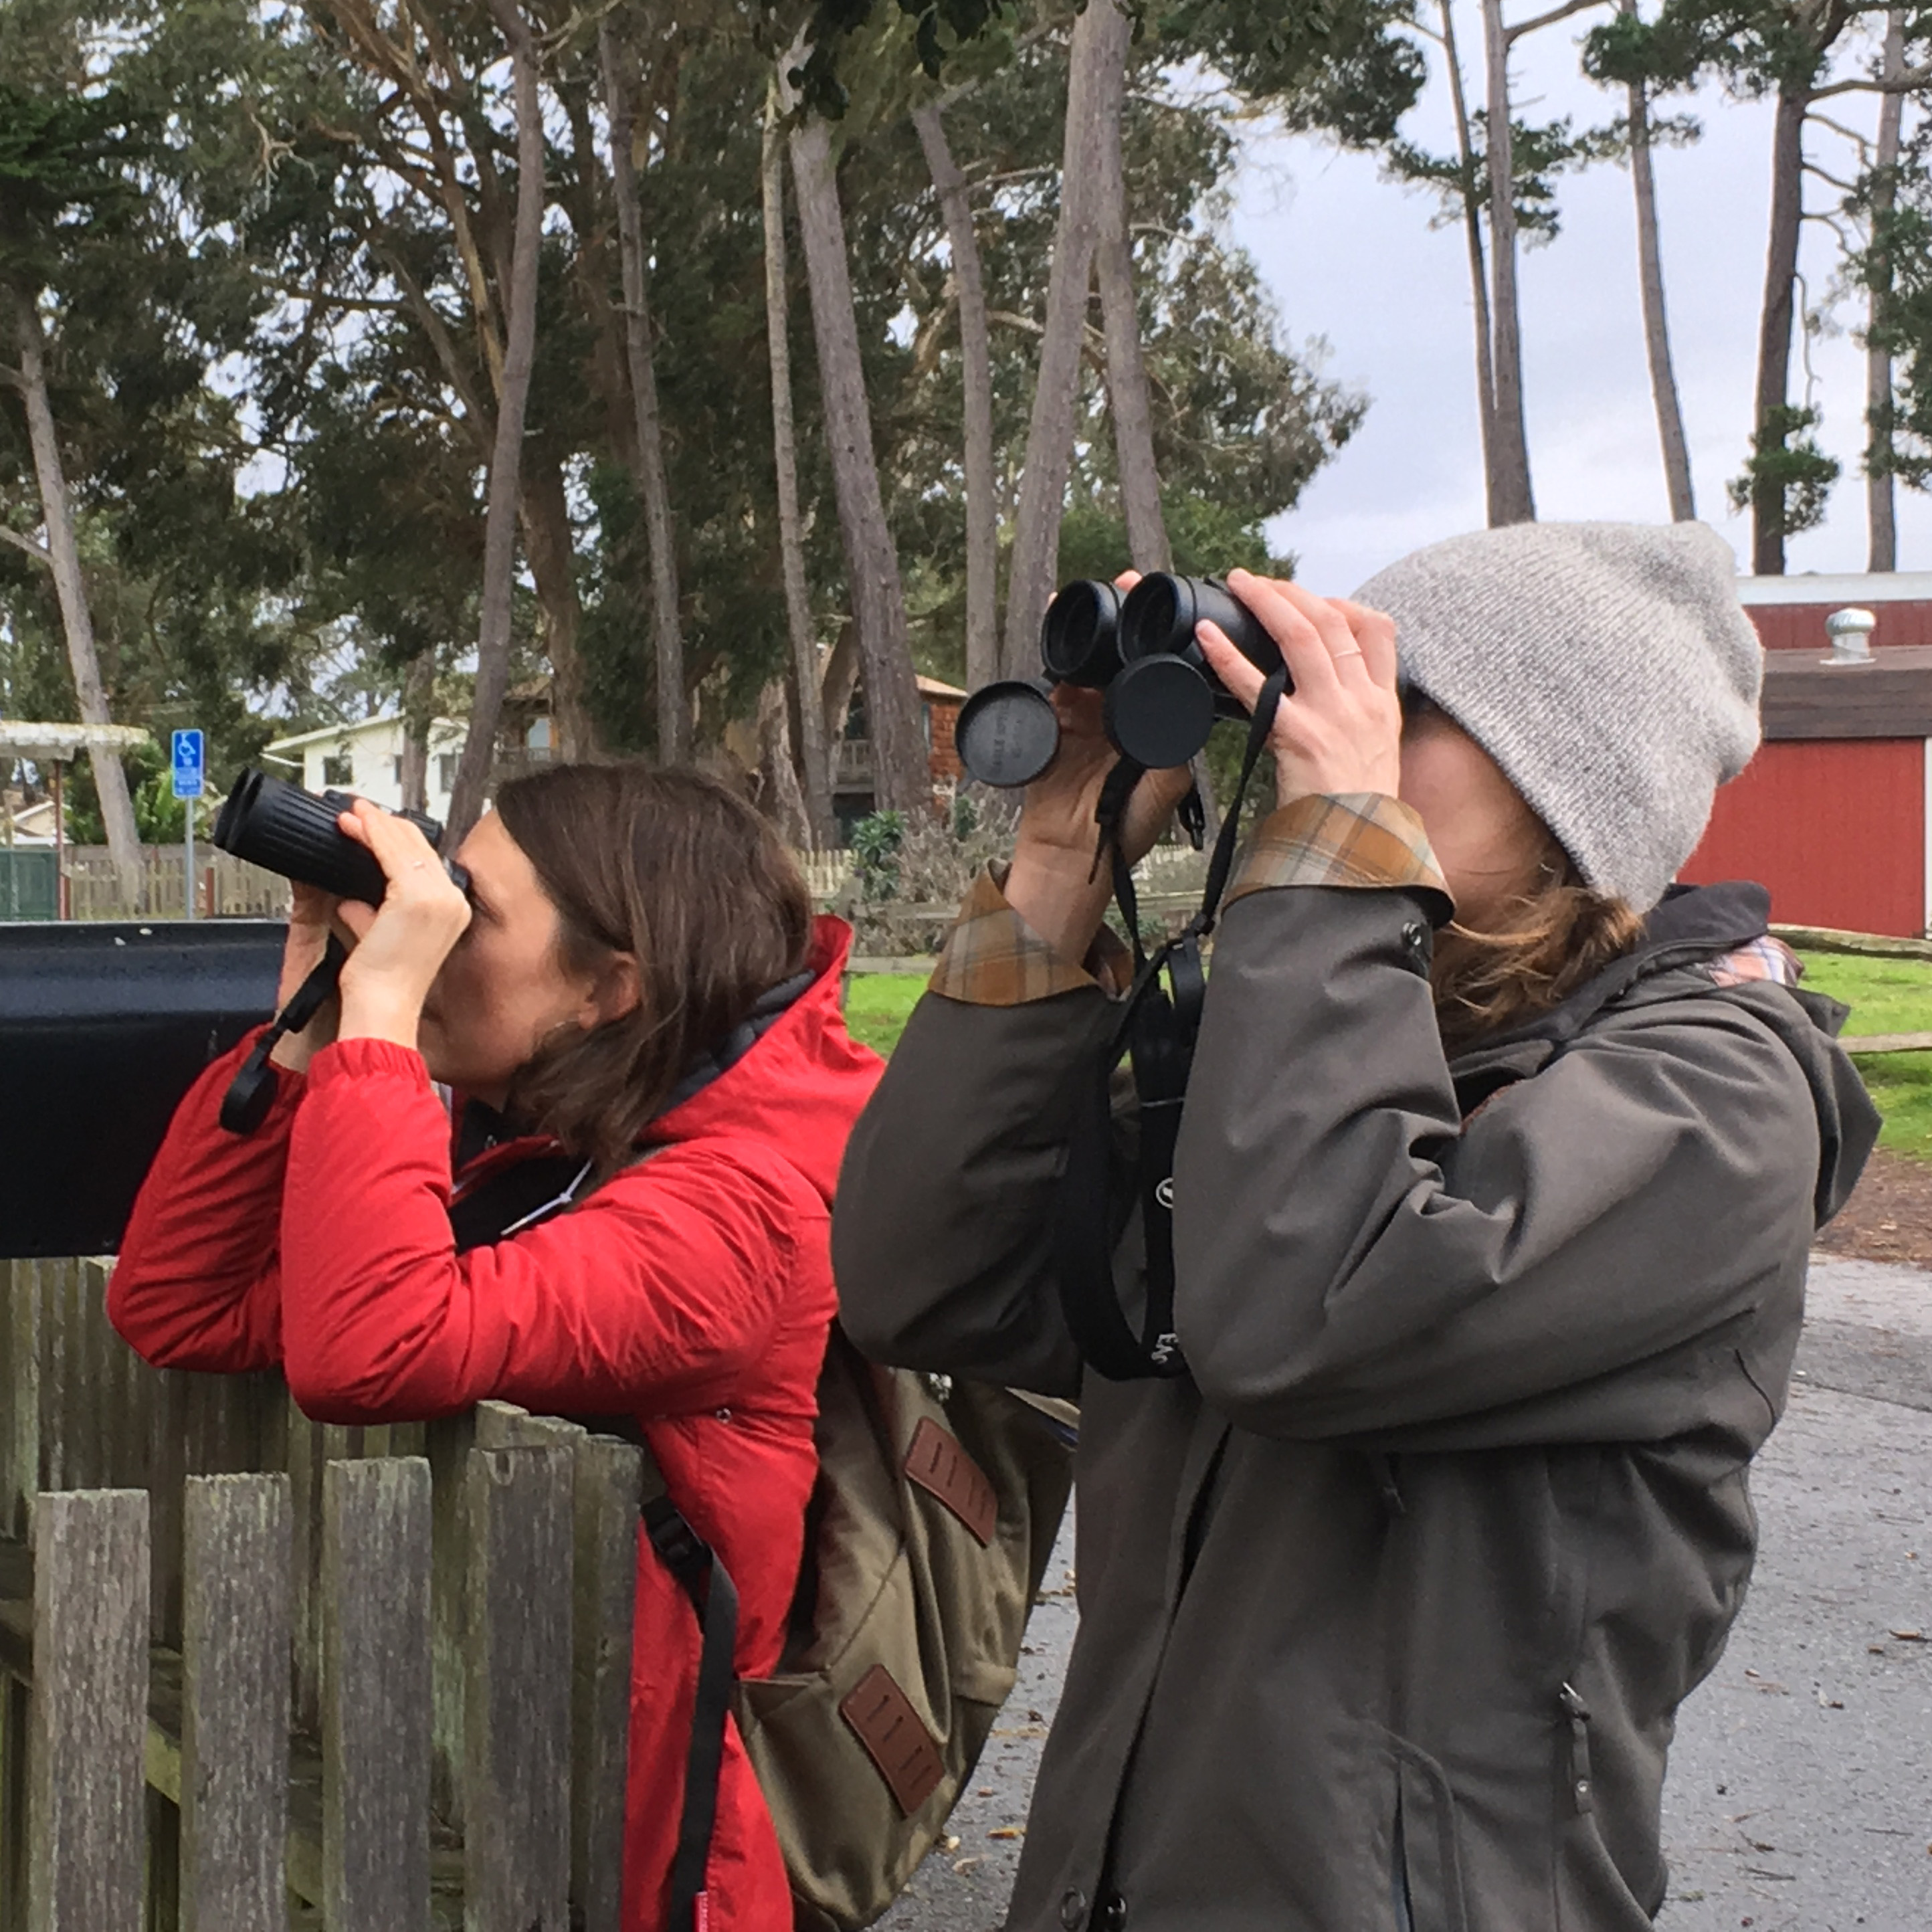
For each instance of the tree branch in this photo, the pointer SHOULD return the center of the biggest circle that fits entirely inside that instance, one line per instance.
(1909, 82)
(1830, 179)
(1862, 143)
(38, 552)
(955, 94)
(1512, 34)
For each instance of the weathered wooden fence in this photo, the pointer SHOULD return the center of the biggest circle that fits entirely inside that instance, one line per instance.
(257, 1672)
(225, 887)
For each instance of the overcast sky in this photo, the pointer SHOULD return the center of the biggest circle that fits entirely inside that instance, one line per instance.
(1352, 257)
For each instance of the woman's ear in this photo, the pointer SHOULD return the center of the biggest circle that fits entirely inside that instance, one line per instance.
(617, 990)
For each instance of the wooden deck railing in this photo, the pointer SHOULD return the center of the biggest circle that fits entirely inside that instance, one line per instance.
(260, 1672)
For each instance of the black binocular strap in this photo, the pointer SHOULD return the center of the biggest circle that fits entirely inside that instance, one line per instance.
(252, 1091)
(1158, 1029)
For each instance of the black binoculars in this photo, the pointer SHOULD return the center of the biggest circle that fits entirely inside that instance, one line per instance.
(283, 828)
(1161, 698)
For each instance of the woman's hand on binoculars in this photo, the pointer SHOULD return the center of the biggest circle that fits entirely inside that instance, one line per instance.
(401, 944)
(1340, 728)
(1054, 885)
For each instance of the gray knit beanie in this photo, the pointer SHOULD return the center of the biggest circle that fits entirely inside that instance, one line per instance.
(1608, 668)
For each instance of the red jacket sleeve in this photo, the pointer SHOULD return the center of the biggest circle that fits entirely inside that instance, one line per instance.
(655, 1298)
(197, 1284)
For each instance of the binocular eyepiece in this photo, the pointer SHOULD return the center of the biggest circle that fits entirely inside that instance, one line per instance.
(1161, 699)
(283, 828)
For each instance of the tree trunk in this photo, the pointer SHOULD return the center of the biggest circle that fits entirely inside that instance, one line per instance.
(552, 561)
(902, 776)
(1127, 394)
(1098, 48)
(840, 681)
(814, 755)
(110, 780)
(419, 713)
(1513, 502)
(1774, 323)
(1479, 268)
(976, 362)
(779, 796)
(1656, 329)
(1881, 509)
(499, 524)
(673, 704)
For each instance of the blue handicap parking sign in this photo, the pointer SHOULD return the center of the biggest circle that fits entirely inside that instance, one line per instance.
(187, 764)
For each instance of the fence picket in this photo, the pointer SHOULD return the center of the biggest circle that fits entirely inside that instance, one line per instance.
(87, 1825)
(234, 1704)
(516, 1804)
(375, 1695)
(608, 1484)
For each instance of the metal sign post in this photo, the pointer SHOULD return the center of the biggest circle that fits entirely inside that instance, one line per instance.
(190, 769)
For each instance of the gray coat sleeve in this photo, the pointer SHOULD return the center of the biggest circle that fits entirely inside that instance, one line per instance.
(1351, 1258)
(942, 1236)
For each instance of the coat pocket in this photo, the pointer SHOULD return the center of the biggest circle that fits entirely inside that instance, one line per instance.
(1428, 1876)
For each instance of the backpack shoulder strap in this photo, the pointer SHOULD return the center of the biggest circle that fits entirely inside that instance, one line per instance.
(714, 1597)
(506, 1208)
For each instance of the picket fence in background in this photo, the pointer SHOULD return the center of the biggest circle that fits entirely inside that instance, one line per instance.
(257, 1672)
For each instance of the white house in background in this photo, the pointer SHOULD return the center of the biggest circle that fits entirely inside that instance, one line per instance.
(367, 758)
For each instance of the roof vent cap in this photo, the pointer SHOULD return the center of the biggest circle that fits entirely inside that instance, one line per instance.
(1850, 631)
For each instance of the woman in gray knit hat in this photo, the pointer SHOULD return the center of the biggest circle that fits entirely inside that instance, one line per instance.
(1498, 1169)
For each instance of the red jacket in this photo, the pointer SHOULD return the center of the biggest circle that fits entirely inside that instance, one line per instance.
(693, 1291)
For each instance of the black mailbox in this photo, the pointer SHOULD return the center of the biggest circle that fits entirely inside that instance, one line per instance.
(103, 1028)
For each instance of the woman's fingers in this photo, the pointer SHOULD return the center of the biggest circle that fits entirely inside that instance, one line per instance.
(1375, 632)
(1230, 665)
(1316, 638)
(1288, 614)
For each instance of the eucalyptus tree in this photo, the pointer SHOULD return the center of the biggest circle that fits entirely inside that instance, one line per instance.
(66, 163)
(1618, 55)
(1802, 54)
(1893, 197)
(129, 154)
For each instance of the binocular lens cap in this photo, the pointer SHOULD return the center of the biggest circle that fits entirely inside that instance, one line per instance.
(1159, 711)
(1007, 733)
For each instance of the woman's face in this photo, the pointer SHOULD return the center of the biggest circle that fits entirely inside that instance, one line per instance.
(1490, 845)
(506, 989)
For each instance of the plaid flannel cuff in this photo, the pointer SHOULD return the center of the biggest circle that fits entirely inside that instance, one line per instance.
(1765, 958)
(1362, 839)
(992, 958)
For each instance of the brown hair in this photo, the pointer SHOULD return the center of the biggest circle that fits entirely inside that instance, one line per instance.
(1560, 935)
(673, 867)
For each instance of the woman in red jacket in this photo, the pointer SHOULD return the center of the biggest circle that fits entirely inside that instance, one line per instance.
(634, 996)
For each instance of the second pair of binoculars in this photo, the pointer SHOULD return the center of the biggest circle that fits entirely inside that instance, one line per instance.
(1137, 648)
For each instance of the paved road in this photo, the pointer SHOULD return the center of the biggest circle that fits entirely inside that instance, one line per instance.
(1800, 1791)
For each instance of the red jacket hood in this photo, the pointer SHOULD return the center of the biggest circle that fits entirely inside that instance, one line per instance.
(801, 1086)
(798, 1090)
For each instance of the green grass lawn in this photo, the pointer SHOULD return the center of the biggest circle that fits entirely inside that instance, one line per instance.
(1886, 996)
(877, 1006)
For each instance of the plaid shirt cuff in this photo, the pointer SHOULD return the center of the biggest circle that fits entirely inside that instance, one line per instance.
(994, 958)
(1765, 958)
(1362, 839)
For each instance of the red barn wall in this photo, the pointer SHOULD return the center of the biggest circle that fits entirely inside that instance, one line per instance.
(1801, 627)
(1835, 828)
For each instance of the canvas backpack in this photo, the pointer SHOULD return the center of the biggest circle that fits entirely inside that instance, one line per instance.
(935, 1513)
(935, 1510)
